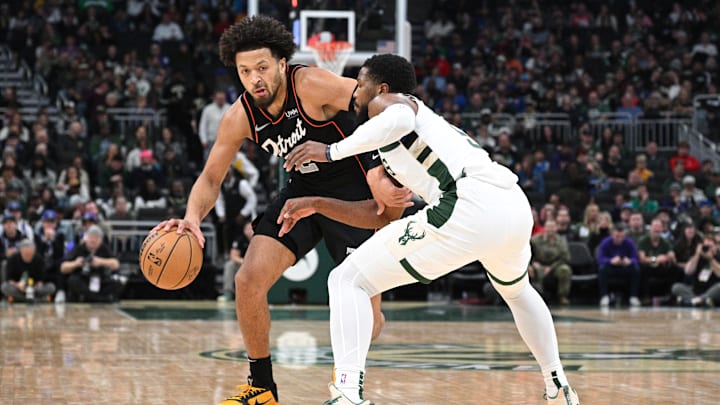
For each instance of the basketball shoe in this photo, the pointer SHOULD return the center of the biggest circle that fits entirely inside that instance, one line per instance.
(565, 396)
(250, 395)
(337, 398)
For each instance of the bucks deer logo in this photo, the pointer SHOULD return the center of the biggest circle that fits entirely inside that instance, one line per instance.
(410, 234)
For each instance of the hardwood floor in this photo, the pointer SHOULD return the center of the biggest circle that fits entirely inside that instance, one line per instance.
(159, 352)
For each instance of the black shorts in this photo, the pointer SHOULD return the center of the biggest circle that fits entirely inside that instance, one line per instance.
(340, 239)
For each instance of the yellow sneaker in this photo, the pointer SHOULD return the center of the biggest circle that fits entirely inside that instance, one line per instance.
(565, 396)
(250, 395)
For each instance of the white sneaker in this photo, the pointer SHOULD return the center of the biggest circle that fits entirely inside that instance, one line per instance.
(565, 396)
(60, 297)
(604, 301)
(337, 398)
(635, 302)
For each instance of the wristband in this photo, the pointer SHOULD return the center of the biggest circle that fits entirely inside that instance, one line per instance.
(327, 153)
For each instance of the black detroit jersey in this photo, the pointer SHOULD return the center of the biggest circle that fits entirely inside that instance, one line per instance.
(279, 135)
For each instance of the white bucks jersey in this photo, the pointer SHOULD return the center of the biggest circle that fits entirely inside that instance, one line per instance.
(430, 160)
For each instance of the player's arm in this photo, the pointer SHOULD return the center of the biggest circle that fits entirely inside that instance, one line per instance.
(392, 116)
(360, 214)
(234, 128)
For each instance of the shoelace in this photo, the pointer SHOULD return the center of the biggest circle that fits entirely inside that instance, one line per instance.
(247, 391)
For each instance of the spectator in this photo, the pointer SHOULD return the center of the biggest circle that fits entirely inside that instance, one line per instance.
(167, 141)
(636, 227)
(704, 218)
(235, 260)
(150, 196)
(655, 162)
(142, 143)
(641, 168)
(658, 266)
(589, 222)
(236, 203)
(617, 258)
(10, 237)
(148, 169)
(90, 265)
(613, 166)
(686, 243)
(70, 184)
(565, 227)
(601, 231)
(177, 199)
(167, 30)
(23, 225)
(551, 259)
(121, 210)
(690, 162)
(703, 277)
(210, 120)
(50, 243)
(705, 47)
(39, 175)
(24, 269)
(690, 194)
(643, 203)
(70, 145)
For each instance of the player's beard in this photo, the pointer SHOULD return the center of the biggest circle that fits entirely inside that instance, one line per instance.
(362, 116)
(272, 91)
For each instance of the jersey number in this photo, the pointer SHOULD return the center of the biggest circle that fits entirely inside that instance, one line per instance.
(309, 167)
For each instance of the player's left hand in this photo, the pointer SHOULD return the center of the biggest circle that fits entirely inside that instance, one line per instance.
(309, 151)
(294, 210)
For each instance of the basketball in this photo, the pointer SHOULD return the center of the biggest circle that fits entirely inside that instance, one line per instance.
(170, 260)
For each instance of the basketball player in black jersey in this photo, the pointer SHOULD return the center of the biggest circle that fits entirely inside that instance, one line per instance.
(283, 106)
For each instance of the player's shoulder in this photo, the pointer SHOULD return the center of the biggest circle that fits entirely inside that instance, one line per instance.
(381, 102)
(310, 79)
(236, 116)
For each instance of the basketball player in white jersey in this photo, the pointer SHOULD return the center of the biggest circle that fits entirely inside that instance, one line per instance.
(475, 211)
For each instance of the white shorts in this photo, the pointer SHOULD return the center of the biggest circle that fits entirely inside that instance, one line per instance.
(478, 222)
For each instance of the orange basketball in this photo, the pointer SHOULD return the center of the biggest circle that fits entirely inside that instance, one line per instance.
(170, 260)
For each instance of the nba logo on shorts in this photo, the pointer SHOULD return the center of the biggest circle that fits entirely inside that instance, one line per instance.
(343, 378)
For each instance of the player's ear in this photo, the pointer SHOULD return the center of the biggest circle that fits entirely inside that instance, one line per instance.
(282, 64)
(383, 88)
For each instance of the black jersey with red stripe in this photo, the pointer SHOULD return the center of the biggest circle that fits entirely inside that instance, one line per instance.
(279, 135)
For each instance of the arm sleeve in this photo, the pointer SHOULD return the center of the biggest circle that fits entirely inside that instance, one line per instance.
(370, 160)
(385, 128)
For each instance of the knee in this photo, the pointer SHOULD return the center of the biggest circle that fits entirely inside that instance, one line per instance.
(251, 282)
(563, 271)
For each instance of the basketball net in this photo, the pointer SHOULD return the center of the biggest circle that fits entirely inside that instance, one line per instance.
(328, 53)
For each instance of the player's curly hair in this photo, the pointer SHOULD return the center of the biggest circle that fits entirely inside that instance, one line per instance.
(396, 71)
(256, 32)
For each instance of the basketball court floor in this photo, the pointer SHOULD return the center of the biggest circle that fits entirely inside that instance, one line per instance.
(159, 352)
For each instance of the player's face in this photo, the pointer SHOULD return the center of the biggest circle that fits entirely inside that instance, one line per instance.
(261, 74)
(366, 90)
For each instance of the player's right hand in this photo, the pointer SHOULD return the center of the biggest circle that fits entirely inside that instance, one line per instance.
(182, 225)
(292, 211)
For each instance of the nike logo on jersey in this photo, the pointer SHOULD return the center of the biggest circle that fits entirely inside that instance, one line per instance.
(375, 156)
(261, 127)
(283, 145)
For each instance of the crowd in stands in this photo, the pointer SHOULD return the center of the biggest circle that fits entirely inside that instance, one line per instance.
(478, 60)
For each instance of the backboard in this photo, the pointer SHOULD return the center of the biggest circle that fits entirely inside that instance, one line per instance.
(381, 27)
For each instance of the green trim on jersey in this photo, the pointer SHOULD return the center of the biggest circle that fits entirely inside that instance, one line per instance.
(438, 215)
(414, 273)
(388, 148)
(497, 280)
(424, 154)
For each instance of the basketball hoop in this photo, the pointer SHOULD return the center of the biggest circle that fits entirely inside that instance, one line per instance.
(331, 55)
